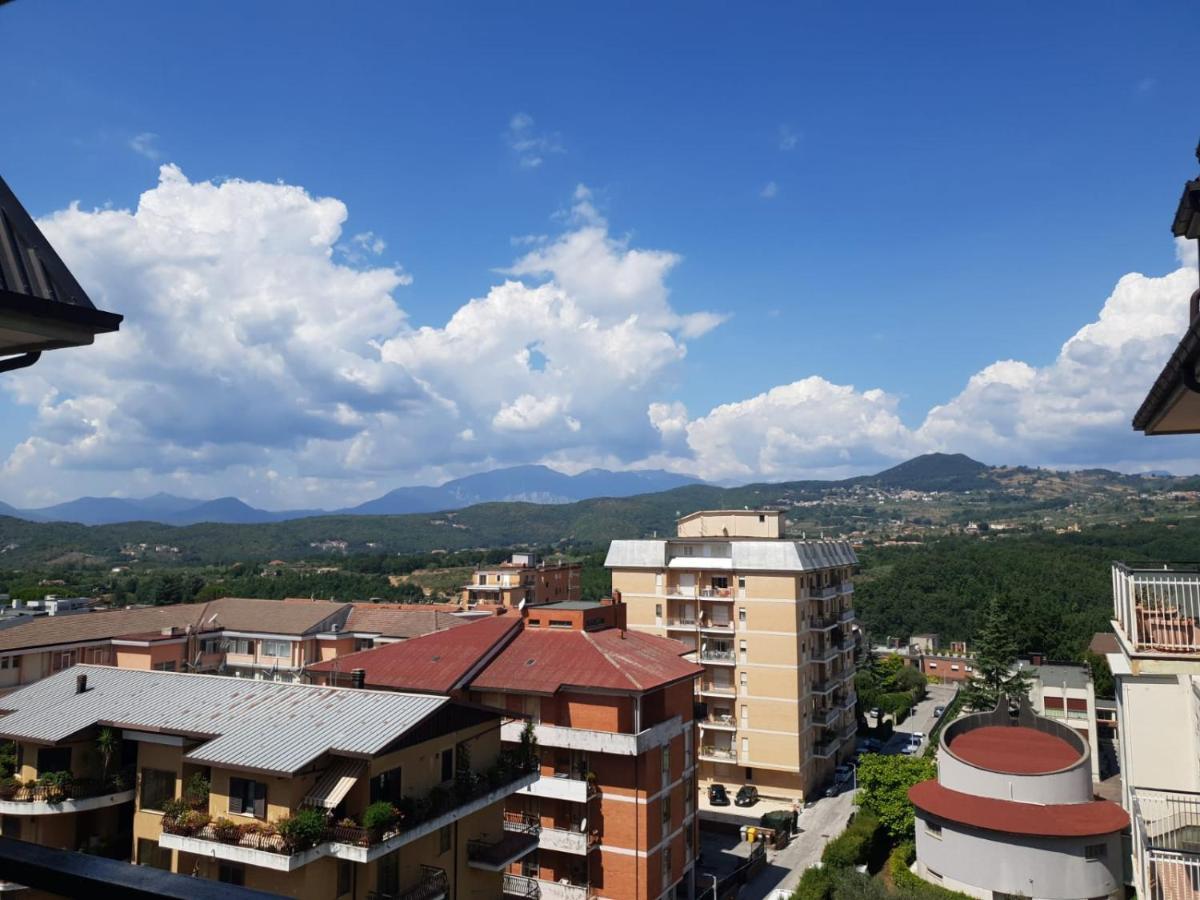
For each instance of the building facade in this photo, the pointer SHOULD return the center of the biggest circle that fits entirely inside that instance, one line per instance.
(614, 810)
(300, 790)
(772, 622)
(1011, 813)
(1066, 693)
(522, 581)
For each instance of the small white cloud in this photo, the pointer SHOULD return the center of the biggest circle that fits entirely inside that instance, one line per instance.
(145, 144)
(530, 146)
(527, 413)
(769, 191)
(370, 242)
(788, 139)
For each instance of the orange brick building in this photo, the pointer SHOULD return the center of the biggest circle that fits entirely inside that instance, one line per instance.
(612, 712)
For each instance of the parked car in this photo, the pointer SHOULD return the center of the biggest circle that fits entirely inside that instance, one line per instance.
(938, 711)
(875, 712)
(869, 745)
(717, 795)
(842, 773)
(834, 789)
(747, 795)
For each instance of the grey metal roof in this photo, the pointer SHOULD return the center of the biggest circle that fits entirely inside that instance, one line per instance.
(1074, 677)
(260, 725)
(745, 556)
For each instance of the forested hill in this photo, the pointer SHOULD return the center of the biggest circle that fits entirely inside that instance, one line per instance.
(1057, 587)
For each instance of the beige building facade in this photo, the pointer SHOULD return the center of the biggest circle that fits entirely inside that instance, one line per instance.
(771, 621)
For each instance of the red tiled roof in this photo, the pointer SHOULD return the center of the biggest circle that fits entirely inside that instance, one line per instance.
(1015, 750)
(433, 663)
(1008, 816)
(546, 661)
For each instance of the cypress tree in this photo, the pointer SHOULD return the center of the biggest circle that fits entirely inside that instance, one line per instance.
(996, 673)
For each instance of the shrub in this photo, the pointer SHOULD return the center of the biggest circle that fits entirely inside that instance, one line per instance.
(303, 829)
(380, 816)
(883, 783)
(9, 786)
(173, 809)
(195, 792)
(192, 821)
(913, 886)
(856, 845)
(815, 884)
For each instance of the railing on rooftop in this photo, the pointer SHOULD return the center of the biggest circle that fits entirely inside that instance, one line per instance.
(60, 789)
(1166, 843)
(1157, 609)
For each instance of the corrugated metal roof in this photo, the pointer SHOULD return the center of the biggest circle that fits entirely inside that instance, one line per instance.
(400, 620)
(745, 556)
(336, 783)
(260, 725)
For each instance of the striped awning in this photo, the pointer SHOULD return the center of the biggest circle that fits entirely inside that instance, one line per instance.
(335, 784)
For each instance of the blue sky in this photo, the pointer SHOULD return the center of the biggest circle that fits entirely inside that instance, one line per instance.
(890, 197)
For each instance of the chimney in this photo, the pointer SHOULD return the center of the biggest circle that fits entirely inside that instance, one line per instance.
(358, 678)
(81, 684)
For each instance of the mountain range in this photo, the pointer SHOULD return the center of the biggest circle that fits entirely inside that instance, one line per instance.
(530, 484)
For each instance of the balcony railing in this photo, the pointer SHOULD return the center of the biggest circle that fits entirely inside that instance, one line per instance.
(724, 754)
(718, 689)
(522, 823)
(710, 625)
(724, 723)
(1166, 844)
(847, 615)
(823, 593)
(716, 656)
(682, 622)
(1157, 609)
(826, 718)
(716, 593)
(826, 749)
(62, 789)
(496, 856)
(432, 885)
(521, 886)
(846, 587)
(822, 623)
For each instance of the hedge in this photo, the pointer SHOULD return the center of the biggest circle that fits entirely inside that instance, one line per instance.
(947, 716)
(913, 886)
(856, 845)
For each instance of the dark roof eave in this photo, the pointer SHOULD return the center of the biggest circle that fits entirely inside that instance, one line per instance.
(1170, 380)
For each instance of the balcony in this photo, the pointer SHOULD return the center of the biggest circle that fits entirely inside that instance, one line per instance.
(590, 741)
(48, 797)
(520, 886)
(823, 593)
(846, 701)
(849, 730)
(261, 844)
(567, 840)
(847, 615)
(716, 593)
(431, 885)
(823, 623)
(826, 718)
(717, 657)
(1166, 844)
(826, 749)
(825, 654)
(521, 823)
(717, 689)
(718, 754)
(564, 890)
(681, 592)
(718, 723)
(821, 688)
(496, 856)
(1156, 610)
(562, 787)
(846, 588)
(707, 626)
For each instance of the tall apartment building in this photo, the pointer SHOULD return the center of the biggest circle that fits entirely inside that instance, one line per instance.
(771, 621)
(523, 580)
(270, 756)
(614, 809)
(260, 639)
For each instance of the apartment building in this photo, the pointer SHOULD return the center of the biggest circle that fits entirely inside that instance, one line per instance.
(302, 790)
(523, 579)
(1066, 693)
(260, 639)
(771, 621)
(614, 809)
(1011, 812)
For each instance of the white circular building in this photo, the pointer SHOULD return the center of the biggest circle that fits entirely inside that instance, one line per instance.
(1012, 813)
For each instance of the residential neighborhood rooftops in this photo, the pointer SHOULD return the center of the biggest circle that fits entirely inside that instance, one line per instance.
(433, 663)
(257, 725)
(400, 620)
(1014, 750)
(544, 662)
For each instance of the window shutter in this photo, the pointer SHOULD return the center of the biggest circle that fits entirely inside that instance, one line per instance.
(260, 800)
(237, 788)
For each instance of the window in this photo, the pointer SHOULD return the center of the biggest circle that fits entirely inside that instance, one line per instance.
(1095, 851)
(666, 765)
(344, 877)
(687, 549)
(228, 873)
(447, 765)
(247, 797)
(165, 666)
(933, 829)
(666, 866)
(560, 623)
(364, 644)
(63, 660)
(742, 649)
(745, 748)
(8, 662)
(658, 610)
(666, 815)
(244, 646)
(954, 668)
(530, 867)
(387, 879)
(386, 786)
(742, 615)
(933, 665)
(157, 785)
(276, 648)
(741, 582)
(210, 646)
(443, 839)
(761, 517)
(150, 854)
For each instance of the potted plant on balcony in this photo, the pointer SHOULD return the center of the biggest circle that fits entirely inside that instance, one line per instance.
(303, 829)
(9, 787)
(226, 830)
(56, 785)
(379, 818)
(195, 792)
(107, 746)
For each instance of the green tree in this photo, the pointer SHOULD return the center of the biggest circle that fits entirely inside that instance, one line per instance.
(996, 672)
(883, 783)
(1102, 676)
